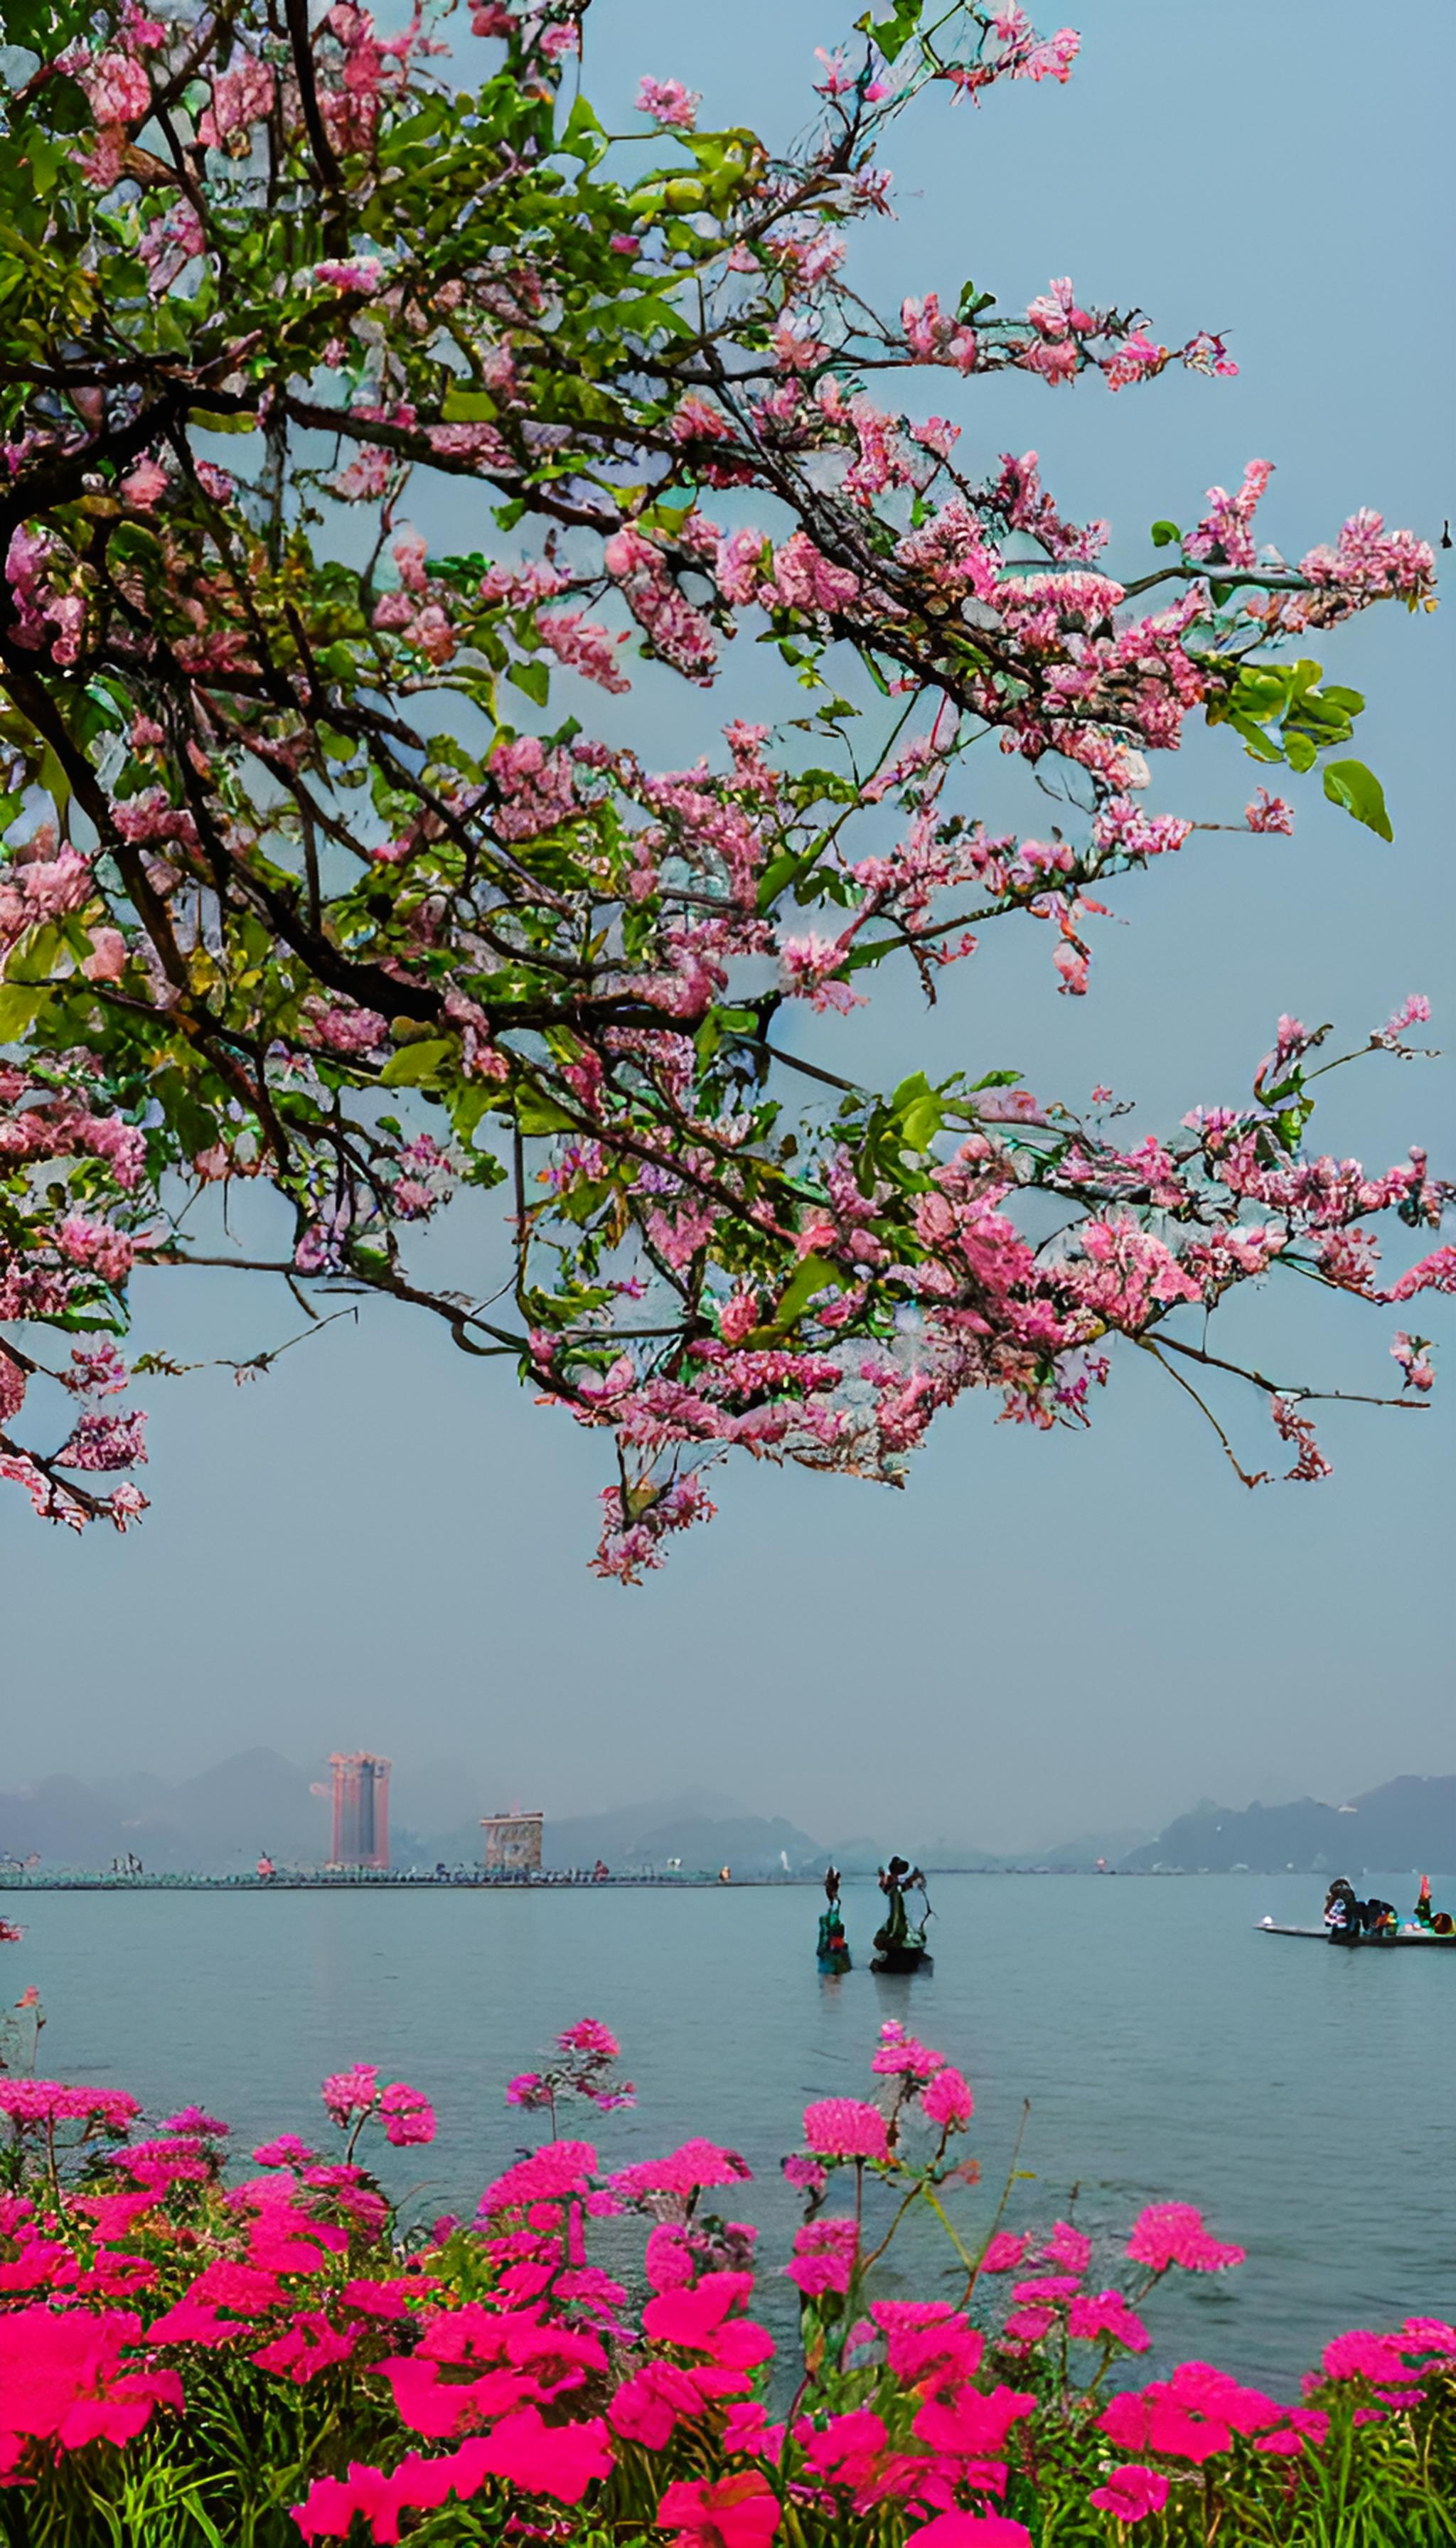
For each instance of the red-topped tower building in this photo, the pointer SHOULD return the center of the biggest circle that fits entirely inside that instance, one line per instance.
(361, 1809)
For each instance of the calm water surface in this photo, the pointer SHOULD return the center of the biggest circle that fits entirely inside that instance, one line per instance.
(1302, 2097)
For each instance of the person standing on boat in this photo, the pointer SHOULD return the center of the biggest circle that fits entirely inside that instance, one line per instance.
(833, 1946)
(895, 1882)
(1344, 1915)
(1439, 1923)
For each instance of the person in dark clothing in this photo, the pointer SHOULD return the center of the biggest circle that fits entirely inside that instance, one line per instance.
(1344, 1916)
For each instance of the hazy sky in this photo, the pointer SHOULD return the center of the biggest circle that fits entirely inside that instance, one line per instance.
(385, 1544)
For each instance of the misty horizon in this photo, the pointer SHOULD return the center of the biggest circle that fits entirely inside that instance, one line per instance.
(431, 1797)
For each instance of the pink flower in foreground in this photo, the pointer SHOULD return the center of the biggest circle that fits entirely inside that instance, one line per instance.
(682, 2171)
(590, 2037)
(1069, 2250)
(739, 2512)
(948, 2101)
(285, 2151)
(844, 2128)
(1172, 2234)
(1132, 2493)
(408, 2115)
(898, 2055)
(970, 2530)
(562, 2167)
(1004, 2251)
(560, 2460)
(1363, 2357)
(1093, 2315)
(824, 2253)
(350, 2092)
(64, 2378)
(804, 2173)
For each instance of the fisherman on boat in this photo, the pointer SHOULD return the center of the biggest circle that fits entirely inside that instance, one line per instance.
(833, 1946)
(1344, 1916)
(1348, 1920)
(899, 1942)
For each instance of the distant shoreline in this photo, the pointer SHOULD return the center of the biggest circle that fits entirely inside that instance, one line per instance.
(369, 1881)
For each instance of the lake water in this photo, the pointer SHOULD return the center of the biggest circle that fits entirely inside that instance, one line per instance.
(1302, 2097)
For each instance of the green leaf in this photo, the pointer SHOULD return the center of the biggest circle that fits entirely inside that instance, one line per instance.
(994, 1079)
(468, 406)
(1351, 784)
(19, 1006)
(466, 1104)
(418, 1066)
(920, 1111)
(816, 1274)
(534, 679)
(538, 1116)
(893, 34)
(579, 125)
(1163, 535)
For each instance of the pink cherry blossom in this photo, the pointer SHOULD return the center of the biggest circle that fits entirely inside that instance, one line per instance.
(669, 101)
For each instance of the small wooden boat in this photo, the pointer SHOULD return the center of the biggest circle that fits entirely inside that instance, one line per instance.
(904, 1959)
(1340, 1937)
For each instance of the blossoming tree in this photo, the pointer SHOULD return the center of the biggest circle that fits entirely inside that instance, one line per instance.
(314, 873)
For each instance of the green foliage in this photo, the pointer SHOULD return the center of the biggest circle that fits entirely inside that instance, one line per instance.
(1351, 784)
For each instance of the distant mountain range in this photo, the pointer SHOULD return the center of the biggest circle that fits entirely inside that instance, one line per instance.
(219, 1822)
(1407, 1823)
(215, 1823)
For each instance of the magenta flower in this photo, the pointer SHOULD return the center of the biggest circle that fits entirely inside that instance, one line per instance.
(682, 2171)
(588, 2036)
(1172, 2234)
(1092, 2315)
(844, 2128)
(1363, 2357)
(285, 2151)
(1067, 2248)
(192, 2119)
(804, 2173)
(561, 2460)
(1004, 2251)
(562, 2167)
(970, 2530)
(948, 2102)
(50, 2100)
(824, 2254)
(898, 2055)
(350, 2092)
(1132, 2493)
(409, 2115)
(739, 2512)
(527, 2089)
